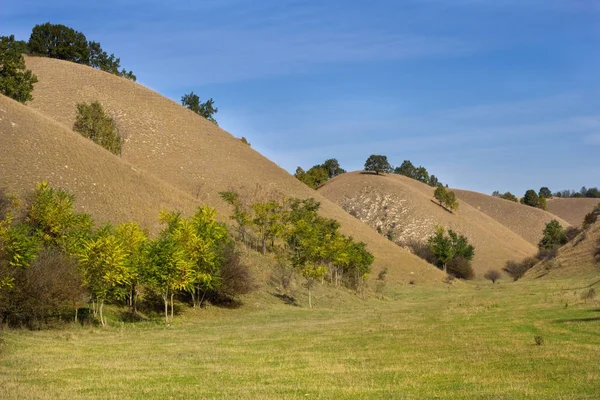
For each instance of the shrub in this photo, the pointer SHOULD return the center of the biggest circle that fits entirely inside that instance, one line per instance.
(539, 340)
(16, 82)
(93, 123)
(236, 278)
(493, 275)
(517, 269)
(554, 236)
(421, 250)
(51, 288)
(547, 253)
(589, 219)
(460, 267)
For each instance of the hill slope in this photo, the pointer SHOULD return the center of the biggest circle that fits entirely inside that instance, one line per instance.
(580, 257)
(571, 210)
(191, 154)
(34, 148)
(525, 221)
(404, 206)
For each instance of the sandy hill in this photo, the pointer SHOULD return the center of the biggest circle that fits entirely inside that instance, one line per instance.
(34, 148)
(170, 144)
(579, 257)
(525, 221)
(572, 210)
(402, 205)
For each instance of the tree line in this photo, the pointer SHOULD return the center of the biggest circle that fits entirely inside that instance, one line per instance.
(53, 260)
(538, 199)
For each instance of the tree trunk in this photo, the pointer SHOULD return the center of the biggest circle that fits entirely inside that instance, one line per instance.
(102, 322)
(76, 310)
(172, 306)
(264, 246)
(166, 300)
(202, 299)
(445, 269)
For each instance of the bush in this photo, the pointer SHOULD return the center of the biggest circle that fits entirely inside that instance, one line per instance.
(236, 278)
(589, 219)
(16, 82)
(588, 294)
(93, 123)
(50, 289)
(554, 236)
(421, 250)
(517, 269)
(492, 275)
(460, 267)
(547, 253)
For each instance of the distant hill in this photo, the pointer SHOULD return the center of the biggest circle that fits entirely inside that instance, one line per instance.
(403, 206)
(572, 210)
(174, 151)
(527, 222)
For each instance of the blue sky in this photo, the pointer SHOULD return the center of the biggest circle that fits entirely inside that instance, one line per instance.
(486, 94)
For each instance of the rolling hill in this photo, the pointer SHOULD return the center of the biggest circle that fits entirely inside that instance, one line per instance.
(525, 221)
(174, 152)
(402, 207)
(572, 210)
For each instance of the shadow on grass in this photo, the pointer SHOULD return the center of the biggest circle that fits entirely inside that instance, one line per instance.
(563, 321)
(286, 299)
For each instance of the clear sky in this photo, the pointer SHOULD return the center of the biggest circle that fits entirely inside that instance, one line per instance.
(486, 94)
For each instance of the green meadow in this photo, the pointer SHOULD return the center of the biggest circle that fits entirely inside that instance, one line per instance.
(469, 341)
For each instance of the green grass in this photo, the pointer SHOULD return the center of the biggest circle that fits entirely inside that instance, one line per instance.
(460, 343)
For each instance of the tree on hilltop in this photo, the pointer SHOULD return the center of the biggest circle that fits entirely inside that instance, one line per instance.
(206, 109)
(378, 163)
(545, 192)
(16, 82)
(59, 41)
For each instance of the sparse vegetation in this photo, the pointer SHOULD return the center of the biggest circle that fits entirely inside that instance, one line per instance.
(16, 82)
(506, 196)
(93, 123)
(207, 109)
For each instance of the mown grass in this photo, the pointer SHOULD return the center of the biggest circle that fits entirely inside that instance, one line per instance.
(472, 342)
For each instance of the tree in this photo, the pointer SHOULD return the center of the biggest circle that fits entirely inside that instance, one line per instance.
(132, 239)
(509, 196)
(314, 177)
(496, 193)
(545, 192)
(452, 250)
(206, 109)
(332, 166)
(101, 60)
(553, 237)
(406, 168)
(533, 200)
(593, 193)
(59, 41)
(493, 275)
(93, 123)
(378, 163)
(446, 198)
(442, 248)
(103, 262)
(16, 82)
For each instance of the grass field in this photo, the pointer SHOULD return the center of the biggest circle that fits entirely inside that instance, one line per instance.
(473, 342)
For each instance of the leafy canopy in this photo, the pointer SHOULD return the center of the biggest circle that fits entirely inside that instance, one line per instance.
(93, 123)
(16, 82)
(378, 163)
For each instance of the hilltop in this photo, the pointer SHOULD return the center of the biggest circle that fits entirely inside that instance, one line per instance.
(402, 207)
(190, 158)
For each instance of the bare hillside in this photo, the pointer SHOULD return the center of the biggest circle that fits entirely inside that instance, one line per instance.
(191, 154)
(572, 210)
(33, 148)
(579, 257)
(403, 206)
(525, 221)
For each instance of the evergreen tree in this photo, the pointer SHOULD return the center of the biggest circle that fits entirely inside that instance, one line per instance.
(16, 82)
